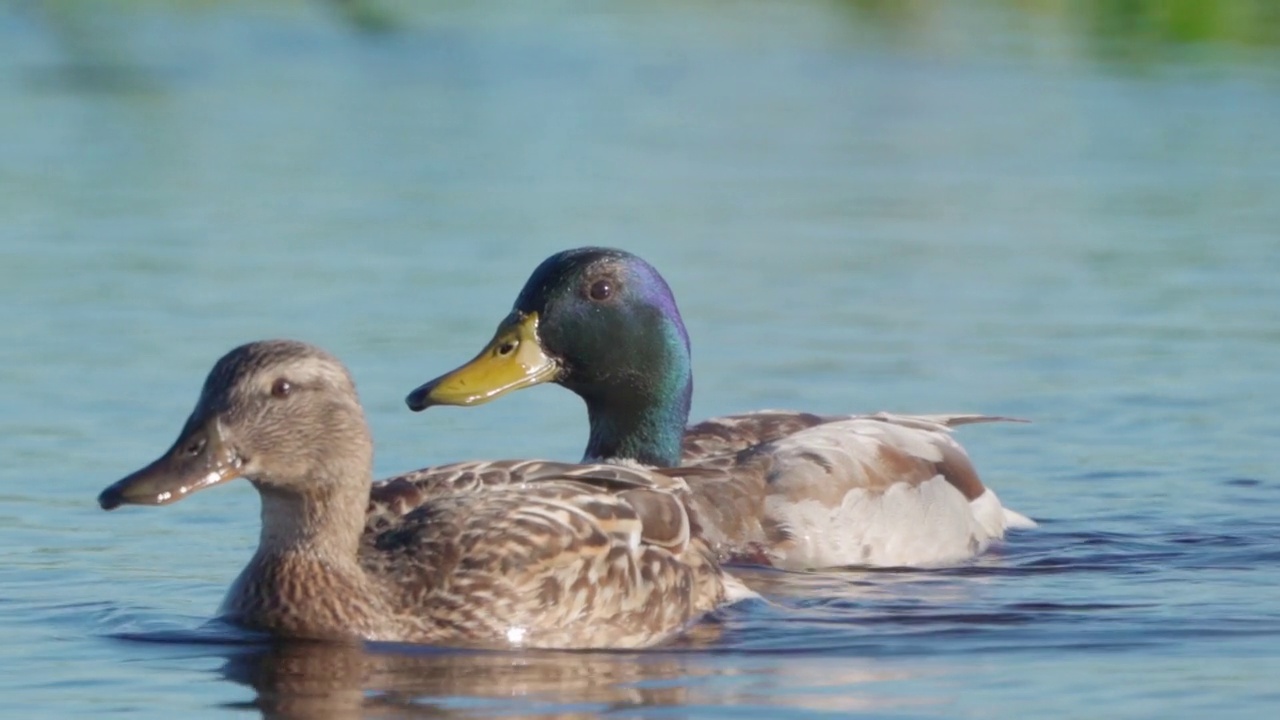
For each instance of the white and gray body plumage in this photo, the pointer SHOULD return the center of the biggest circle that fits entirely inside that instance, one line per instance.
(798, 490)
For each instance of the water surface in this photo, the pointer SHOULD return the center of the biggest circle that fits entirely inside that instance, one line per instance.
(1012, 208)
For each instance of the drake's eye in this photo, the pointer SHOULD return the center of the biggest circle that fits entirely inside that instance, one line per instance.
(600, 290)
(281, 388)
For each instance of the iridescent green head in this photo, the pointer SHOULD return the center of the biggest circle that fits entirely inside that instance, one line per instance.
(604, 324)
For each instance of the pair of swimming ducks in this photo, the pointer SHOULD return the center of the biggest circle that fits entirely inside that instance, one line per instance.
(623, 550)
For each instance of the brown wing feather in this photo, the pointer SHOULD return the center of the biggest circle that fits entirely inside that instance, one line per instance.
(733, 433)
(394, 497)
(564, 555)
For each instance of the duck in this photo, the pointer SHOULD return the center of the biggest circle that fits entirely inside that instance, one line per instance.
(789, 489)
(571, 556)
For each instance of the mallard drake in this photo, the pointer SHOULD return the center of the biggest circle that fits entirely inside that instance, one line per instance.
(790, 489)
(571, 556)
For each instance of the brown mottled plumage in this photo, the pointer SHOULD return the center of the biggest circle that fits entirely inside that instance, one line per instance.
(571, 556)
(720, 436)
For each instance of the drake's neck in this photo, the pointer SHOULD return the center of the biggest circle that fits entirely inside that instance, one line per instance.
(639, 429)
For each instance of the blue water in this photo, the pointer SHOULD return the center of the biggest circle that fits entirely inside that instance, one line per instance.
(1064, 212)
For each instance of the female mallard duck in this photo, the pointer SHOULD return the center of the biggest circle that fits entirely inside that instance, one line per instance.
(795, 490)
(572, 556)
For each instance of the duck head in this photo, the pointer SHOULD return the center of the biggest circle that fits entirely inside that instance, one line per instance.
(604, 324)
(283, 414)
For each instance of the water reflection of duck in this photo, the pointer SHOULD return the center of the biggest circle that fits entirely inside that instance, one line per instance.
(795, 490)
(339, 680)
(570, 557)
(295, 679)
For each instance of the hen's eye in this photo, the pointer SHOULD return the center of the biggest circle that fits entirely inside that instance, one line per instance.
(600, 290)
(281, 388)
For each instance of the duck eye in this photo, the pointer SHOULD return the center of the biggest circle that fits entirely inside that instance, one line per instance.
(281, 388)
(600, 290)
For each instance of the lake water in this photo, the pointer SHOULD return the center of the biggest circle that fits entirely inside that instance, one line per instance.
(1064, 212)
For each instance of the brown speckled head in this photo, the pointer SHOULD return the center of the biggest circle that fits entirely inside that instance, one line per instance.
(281, 413)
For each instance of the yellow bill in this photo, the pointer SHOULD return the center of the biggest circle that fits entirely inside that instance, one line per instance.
(512, 360)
